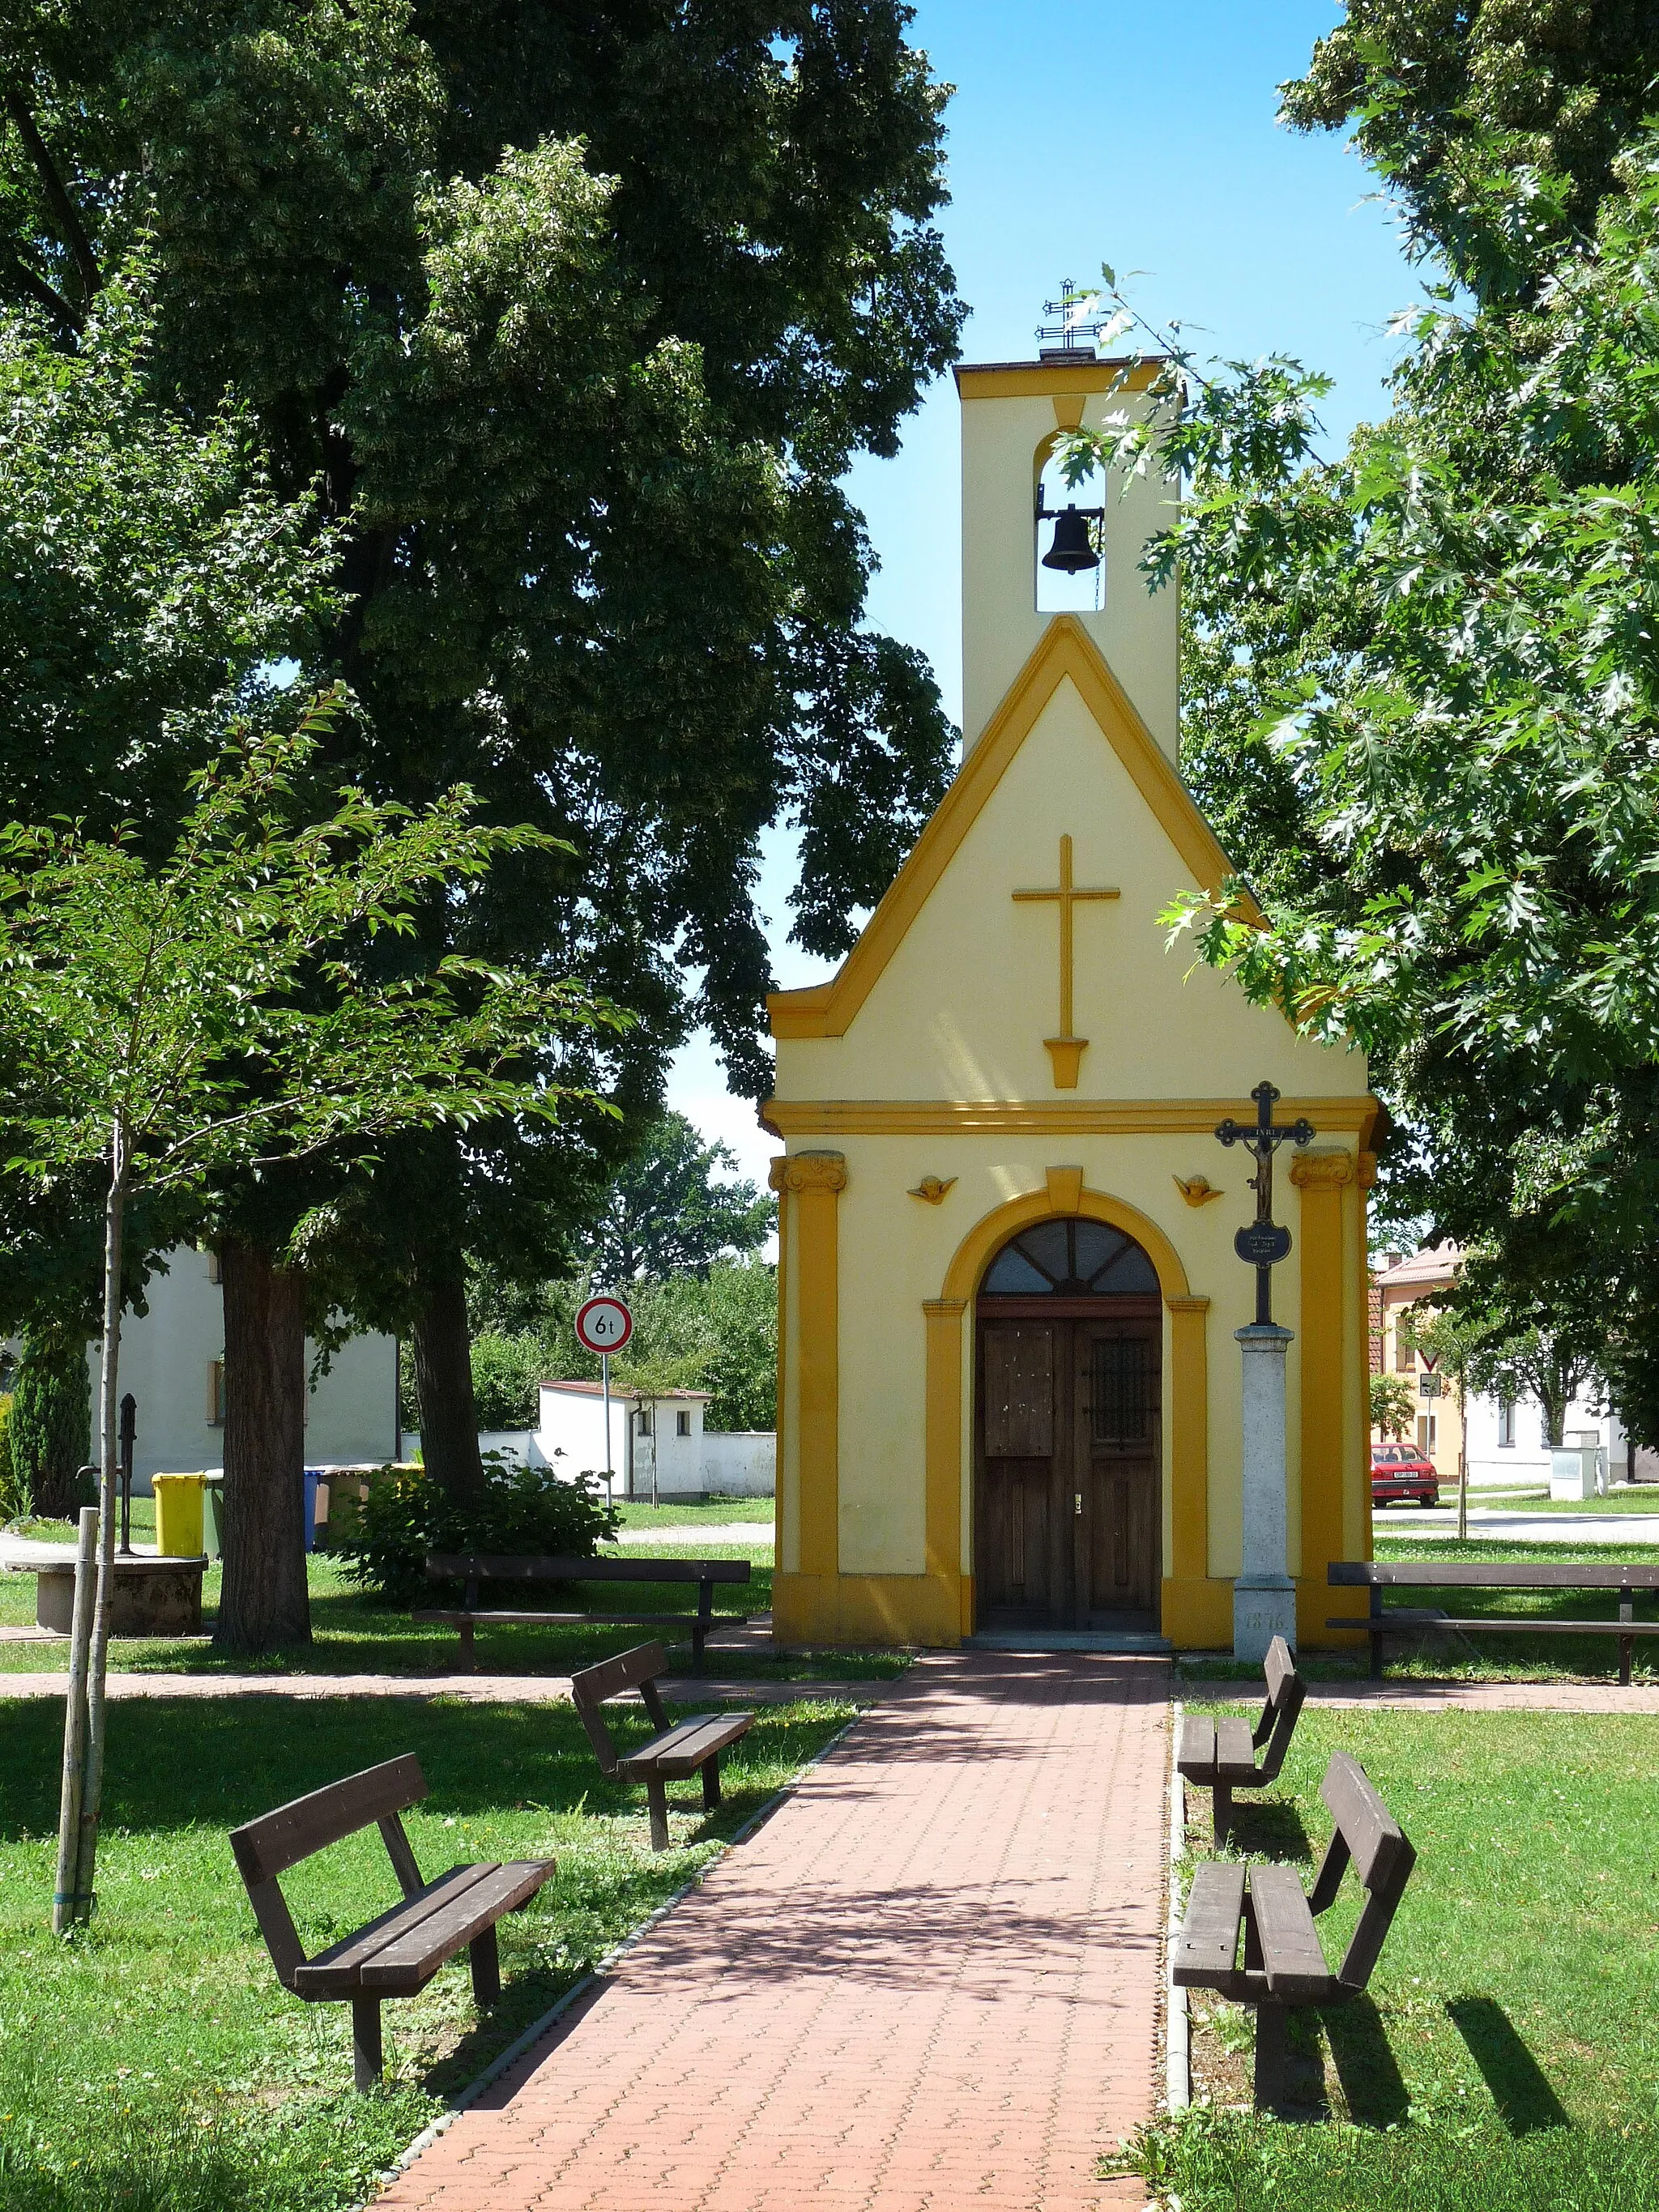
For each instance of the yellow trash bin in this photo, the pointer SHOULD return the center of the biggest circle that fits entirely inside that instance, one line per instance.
(178, 1515)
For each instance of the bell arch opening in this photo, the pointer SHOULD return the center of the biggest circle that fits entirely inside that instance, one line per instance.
(1068, 559)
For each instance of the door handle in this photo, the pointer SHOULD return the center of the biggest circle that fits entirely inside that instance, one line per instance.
(1077, 1502)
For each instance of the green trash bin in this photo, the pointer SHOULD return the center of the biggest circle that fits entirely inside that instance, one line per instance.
(213, 1515)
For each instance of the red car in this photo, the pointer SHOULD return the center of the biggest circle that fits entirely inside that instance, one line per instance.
(1402, 1476)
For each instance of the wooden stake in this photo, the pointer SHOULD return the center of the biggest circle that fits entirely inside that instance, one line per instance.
(65, 1904)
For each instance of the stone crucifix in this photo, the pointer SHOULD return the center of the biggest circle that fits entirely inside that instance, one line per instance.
(1065, 1051)
(1264, 1596)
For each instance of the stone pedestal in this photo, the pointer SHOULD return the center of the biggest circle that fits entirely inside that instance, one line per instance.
(1264, 1596)
(151, 1597)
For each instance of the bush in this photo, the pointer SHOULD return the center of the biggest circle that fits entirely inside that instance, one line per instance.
(522, 1509)
(52, 1422)
(14, 1499)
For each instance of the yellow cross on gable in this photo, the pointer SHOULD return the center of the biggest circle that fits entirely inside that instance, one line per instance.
(1065, 1051)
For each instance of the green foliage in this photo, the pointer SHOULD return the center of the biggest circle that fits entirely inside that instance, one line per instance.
(50, 1430)
(506, 1370)
(717, 1332)
(668, 1212)
(15, 1500)
(1528, 1319)
(1394, 1405)
(520, 1509)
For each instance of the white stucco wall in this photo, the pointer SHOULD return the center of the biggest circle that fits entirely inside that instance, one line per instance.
(166, 1358)
(739, 1462)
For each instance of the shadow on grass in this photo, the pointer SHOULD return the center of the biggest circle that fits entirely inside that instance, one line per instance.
(177, 1761)
(1372, 2084)
(1526, 2103)
(1269, 1828)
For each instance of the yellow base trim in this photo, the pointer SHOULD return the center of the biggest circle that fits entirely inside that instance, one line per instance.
(1198, 1615)
(1316, 1602)
(868, 1609)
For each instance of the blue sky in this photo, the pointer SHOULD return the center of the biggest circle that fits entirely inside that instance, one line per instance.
(1083, 132)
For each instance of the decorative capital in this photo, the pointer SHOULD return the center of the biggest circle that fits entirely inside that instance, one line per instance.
(944, 1309)
(1323, 1170)
(800, 1171)
(1366, 1178)
(1184, 1305)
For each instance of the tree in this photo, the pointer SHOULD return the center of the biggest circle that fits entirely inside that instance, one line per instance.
(1555, 89)
(51, 1425)
(1393, 1404)
(574, 327)
(666, 1214)
(232, 1010)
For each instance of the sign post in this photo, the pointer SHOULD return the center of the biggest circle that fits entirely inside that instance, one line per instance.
(1264, 1596)
(604, 1325)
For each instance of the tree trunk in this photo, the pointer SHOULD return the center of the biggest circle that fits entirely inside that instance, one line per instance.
(443, 1382)
(263, 1599)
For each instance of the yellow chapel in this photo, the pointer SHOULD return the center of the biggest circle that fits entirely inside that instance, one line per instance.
(1009, 1395)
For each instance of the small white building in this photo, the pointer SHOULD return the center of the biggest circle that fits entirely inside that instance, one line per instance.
(659, 1446)
(173, 1361)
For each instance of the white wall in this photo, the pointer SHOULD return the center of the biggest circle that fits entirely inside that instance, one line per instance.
(1527, 1459)
(166, 1358)
(740, 1462)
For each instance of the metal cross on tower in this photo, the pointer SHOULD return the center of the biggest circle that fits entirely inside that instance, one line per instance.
(1264, 1243)
(1076, 323)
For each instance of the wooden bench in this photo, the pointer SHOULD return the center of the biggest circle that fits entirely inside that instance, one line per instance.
(398, 1952)
(1384, 1621)
(1284, 1965)
(1219, 1755)
(471, 1569)
(681, 1748)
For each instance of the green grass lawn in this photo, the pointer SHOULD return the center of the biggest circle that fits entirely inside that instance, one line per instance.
(1504, 2056)
(154, 2064)
(640, 1513)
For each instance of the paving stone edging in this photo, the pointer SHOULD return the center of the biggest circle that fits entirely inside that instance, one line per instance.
(539, 2029)
(1177, 2029)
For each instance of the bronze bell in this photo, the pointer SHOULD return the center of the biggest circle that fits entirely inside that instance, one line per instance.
(1072, 550)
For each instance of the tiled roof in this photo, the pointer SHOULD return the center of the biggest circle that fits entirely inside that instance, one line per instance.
(1424, 1269)
(585, 1389)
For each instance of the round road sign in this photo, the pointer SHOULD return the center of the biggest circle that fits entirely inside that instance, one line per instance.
(604, 1324)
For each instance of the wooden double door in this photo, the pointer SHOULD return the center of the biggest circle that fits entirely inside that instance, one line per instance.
(1068, 1524)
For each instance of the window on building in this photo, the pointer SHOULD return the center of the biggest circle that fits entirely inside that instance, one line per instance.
(1506, 1424)
(683, 1425)
(216, 1393)
(1427, 1433)
(1405, 1358)
(214, 1275)
(643, 1417)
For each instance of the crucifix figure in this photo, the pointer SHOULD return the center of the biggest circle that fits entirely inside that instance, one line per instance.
(1065, 1051)
(1264, 1243)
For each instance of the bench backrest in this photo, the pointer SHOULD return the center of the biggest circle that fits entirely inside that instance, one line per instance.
(1490, 1574)
(639, 1669)
(1368, 1835)
(268, 1846)
(1286, 1693)
(506, 1567)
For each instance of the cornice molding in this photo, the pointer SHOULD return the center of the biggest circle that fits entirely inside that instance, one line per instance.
(1057, 1117)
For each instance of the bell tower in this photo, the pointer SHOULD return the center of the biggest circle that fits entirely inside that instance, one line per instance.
(1025, 555)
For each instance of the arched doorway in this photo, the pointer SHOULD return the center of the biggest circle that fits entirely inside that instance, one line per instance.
(1066, 1522)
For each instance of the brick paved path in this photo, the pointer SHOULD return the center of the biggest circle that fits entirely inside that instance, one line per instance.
(929, 1981)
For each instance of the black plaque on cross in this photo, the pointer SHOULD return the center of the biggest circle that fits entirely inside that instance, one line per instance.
(1264, 1243)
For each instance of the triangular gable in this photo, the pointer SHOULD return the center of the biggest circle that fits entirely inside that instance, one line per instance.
(1066, 650)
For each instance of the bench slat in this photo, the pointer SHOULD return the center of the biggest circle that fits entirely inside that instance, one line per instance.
(415, 1954)
(1290, 1955)
(1456, 1574)
(1207, 1942)
(269, 1845)
(609, 1678)
(334, 1971)
(492, 1566)
(1404, 1617)
(457, 1617)
(1370, 1830)
(1279, 1668)
(1235, 1750)
(1196, 1757)
(687, 1746)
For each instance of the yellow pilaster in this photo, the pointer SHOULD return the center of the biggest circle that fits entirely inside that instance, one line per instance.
(808, 1185)
(1325, 1327)
(1195, 1611)
(944, 1493)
